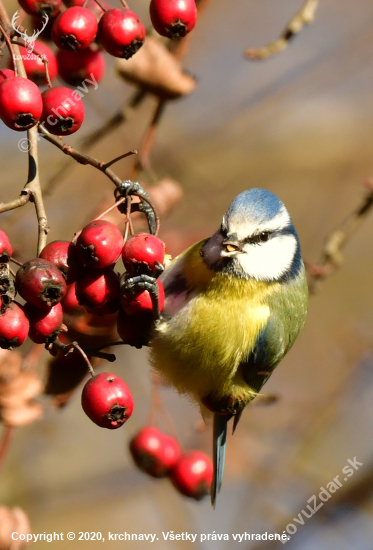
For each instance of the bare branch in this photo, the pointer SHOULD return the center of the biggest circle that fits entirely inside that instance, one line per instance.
(304, 16)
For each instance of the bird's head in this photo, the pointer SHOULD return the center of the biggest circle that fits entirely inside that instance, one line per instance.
(256, 239)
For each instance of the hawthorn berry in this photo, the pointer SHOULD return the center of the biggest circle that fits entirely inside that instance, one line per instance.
(154, 452)
(99, 244)
(76, 67)
(34, 66)
(14, 326)
(74, 29)
(63, 111)
(192, 475)
(107, 400)
(6, 73)
(41, 7)
(142, 252)
(134, 329)
(70, 302)
(41, 283)
(139, 300)
(121, 32)
(21, 104)
(173, 18)
(64, 256)
(45, 324)
(97, 287)
(6, 250)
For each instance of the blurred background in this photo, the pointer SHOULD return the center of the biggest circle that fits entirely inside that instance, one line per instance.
(301, 125)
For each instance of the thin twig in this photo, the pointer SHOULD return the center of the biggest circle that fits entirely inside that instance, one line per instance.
(304, 16)
(32, 186)
(80, 157)
(10, 47)
(331, 255)
(5, 441)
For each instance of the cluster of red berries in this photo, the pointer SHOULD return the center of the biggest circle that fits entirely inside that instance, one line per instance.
(79, 32)
(160, 455)
(69, 276)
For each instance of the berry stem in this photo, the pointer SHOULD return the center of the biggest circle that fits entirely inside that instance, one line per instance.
(98, 3)
(10, 48)
(85, 357)
(124, 4)
(5, 441)
(16, 261)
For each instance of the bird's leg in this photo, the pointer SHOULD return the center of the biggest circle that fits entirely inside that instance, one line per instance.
(144, 282)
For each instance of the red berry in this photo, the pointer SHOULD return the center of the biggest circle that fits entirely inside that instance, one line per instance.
(99, 244)
(173, 18)
(121, 32)
(63, 255)
(45, 324)
(192, 475)
(14, 326)
(76, 67)
(41, 7)
(107, 401)
(75, 29)
(63, 111)
(39, 282)
(6, 73)
(140, 301)
(70, 302)
(134, 329)
(34, 66)
(21, 104)
(97, 287)
(6, 250)
(154, 452)
(143, 251)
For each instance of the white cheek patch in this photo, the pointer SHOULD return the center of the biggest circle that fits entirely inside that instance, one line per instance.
(268, 260)
(244, 229)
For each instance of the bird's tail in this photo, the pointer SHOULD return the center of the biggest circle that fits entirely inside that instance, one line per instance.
(220, 438)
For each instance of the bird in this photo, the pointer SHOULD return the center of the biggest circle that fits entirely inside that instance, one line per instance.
(234, 305)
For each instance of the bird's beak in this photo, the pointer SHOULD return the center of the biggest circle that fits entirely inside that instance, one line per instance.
(230, 249)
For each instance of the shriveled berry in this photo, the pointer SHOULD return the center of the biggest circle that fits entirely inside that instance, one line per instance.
(140, 301)
(41, 7)
(63, 111)
(64, 256)
(142, 252)
(21, 104)
(173, 18)
(97, 287)
(76, 67)
(6, 250)
(74, 29)
(14, 326)
(192, 475)
(41, 283)
(107, 400)
(99, 244)
(155, 452)
(45, 324)
(121, 32)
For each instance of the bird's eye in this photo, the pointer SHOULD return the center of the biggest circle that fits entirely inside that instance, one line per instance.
(264, 236)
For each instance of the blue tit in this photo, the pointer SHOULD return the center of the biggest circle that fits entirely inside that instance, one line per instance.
(235, 304)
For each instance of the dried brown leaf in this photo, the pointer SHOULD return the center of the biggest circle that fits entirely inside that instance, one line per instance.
(13, 520)
(157, 70)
